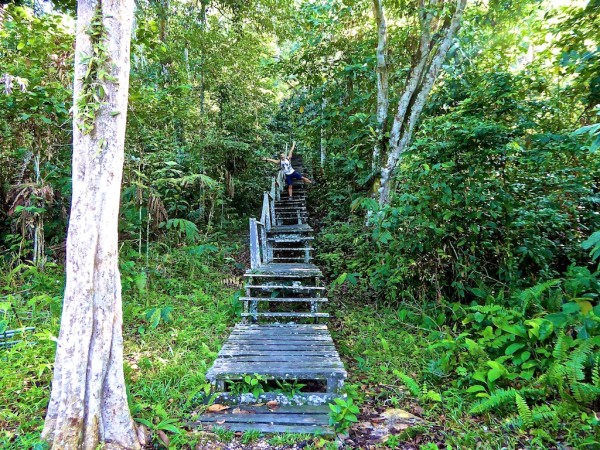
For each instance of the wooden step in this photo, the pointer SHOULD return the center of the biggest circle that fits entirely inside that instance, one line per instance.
(295, 228)
(283, 419)
(293, 269)
(291, 258)
(266, 287)
(289, 238)
(293, 249)
(301, 351)
(285, 299)
(277, 276)
(288, 315)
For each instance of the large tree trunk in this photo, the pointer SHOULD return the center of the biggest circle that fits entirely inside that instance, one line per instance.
(382, 82)
(88, 405)
(439, 21)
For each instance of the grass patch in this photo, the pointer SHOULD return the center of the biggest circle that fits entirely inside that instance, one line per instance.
(165, 361)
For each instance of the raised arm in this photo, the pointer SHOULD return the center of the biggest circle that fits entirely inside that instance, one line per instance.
(292, 150)
(275, 161)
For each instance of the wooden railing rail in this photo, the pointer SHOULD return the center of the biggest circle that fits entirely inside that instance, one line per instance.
(261, 250)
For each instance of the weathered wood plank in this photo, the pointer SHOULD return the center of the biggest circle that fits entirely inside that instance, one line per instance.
(282, 419)
(285, 299)
(284, 358)
(254, 245)
(269, 339)
(289, 327)
(299, 315)
(269, 329)
(296, 353)
(236, 371)
(287, 409)
(286, 287)
(268, 428)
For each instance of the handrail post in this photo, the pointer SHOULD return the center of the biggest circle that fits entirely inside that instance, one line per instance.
(254, 246)
(266, 212)
(272, 203)
(263, 245)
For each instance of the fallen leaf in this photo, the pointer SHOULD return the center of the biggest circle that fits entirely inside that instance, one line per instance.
(142, 434)
(240, 411)
(273, 404)
(220, 422)
(417, 410)
(164, 438)
(217, 407)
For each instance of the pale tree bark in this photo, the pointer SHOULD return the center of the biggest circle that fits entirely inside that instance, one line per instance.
(88, 405)
(439, 21)
(322, 129)
(381, 71)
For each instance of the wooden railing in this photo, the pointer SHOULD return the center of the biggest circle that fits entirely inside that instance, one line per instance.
(261, 250)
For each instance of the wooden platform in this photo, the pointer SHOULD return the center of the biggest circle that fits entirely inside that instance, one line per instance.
(295, 228)
(286, 270)
(279, 419)
(285, 352)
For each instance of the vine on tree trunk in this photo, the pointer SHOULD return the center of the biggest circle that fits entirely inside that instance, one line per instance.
(93, 90)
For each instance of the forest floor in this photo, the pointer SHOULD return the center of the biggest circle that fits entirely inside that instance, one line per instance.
(178, 311)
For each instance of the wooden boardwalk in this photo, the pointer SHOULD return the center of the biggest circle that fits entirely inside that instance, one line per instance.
(282, 338)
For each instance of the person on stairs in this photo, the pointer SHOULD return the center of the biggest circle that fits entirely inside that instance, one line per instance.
(288, 170)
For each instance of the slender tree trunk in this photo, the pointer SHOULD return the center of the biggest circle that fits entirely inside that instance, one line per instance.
(203, 6)
(322, 130)
(382, 82)
(439, 20)
(88, 406)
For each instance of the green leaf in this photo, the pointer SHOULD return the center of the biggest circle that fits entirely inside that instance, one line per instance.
(512, 348)
(476, 388)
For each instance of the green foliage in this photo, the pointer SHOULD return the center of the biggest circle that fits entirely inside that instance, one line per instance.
(184, 228)
(343, 413)
(593, 245)
(154, 316)
(250, 436)
(249, 384)
(289, 388)
(97, 74)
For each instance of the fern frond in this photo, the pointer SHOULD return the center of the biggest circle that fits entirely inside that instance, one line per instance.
(575, 365)
(500, 398)
(585, 393)
(543, 414)
(596, 372)
(563, 344)
(410, 383)
(524, 411)
(503, 398)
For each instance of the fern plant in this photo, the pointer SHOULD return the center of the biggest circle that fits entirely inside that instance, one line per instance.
(574, 372)
(524, 412)
(423, 393)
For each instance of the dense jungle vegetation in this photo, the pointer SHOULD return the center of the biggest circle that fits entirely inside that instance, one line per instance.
(469, 299)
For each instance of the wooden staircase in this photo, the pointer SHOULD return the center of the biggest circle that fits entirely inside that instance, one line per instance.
(282, 338)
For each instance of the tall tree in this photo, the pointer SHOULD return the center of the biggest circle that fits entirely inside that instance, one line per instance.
(382, 81)
(439, 21)
(88, 405)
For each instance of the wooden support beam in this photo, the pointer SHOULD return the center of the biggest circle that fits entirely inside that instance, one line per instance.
(254, 247)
